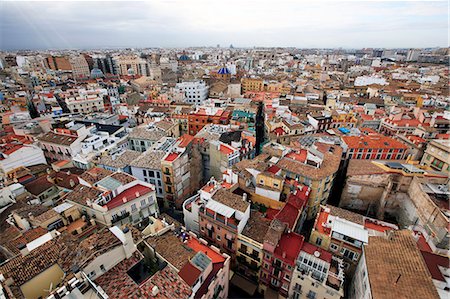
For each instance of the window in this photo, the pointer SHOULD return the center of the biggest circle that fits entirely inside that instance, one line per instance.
(218, 238)
(144, 172)
(91, 274)
(318, 241)
(143, 202)
(333, 247)
(133, 207)
(102, 268)
(287, 277)
(311, 295)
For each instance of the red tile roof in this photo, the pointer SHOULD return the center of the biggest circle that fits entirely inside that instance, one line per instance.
(273, 169)
(298, 156)
(289, 215)
(227, 150)
(171, 157)
(128, 195)
(195, 245)
(289, 246)
(433, 262)
(279, 131)
(9, 148)
(373, 142)
(185, 140)
(190, 273)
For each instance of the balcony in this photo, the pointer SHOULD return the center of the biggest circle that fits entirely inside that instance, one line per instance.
(117, 218)
(242, 261)
(253, 256)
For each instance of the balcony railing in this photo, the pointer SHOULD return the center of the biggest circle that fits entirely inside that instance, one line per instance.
(117, 218)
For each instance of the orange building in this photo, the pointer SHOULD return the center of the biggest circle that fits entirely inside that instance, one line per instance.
(202, 117)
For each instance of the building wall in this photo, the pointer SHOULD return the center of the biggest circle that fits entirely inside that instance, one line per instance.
(309, 286)
(152, 176)
(39, 285)
(429, 215)
(26, 156)
(362, 192)
(437, 158)
(360, 285)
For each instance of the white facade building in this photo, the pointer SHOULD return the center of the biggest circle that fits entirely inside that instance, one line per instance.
(20, 155)
(195, 92)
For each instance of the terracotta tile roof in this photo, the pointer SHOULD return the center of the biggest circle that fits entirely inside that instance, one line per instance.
(328, 167)
(46, 216)
(231, 200)
(346, 214)
(95, 174)
(63, 179)
(57, 251)
(34, 210)
(363, 167)
(396, 268)
(372, 142)
(190, 273)
(81, 193)
(39, 185)
(149, 160)
(52, 137)
(256, 227)
(170, 247)
(123, 177)
(118, 284)
(120, 161)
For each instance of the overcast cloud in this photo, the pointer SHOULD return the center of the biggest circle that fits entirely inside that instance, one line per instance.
(184, 23)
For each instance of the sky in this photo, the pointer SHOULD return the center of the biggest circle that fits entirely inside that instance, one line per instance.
(242, 23)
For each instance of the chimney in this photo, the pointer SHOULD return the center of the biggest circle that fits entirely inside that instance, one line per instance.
(23, 249)
(124, 199)
(284, 254)
(128, 245)
(137, 194)
(155, 291)
(244, 196)
(72, 183)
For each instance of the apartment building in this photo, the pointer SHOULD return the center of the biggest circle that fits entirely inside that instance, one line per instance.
(315, 167)
(14, 155)
(116, 199)
(131, 65)
(202, 267)
(194, 92)
(209, 115)
(147, 168)
(252, 84)
(63, 143)
(317, 274)
(221, 157)
(250, 246)
(374, 147)
(280, 251)
(80, 67)
(85, 101)
(144, 136)
(392, 267)
(437, 155)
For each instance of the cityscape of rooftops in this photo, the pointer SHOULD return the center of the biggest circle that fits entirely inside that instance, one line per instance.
(198, 149)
